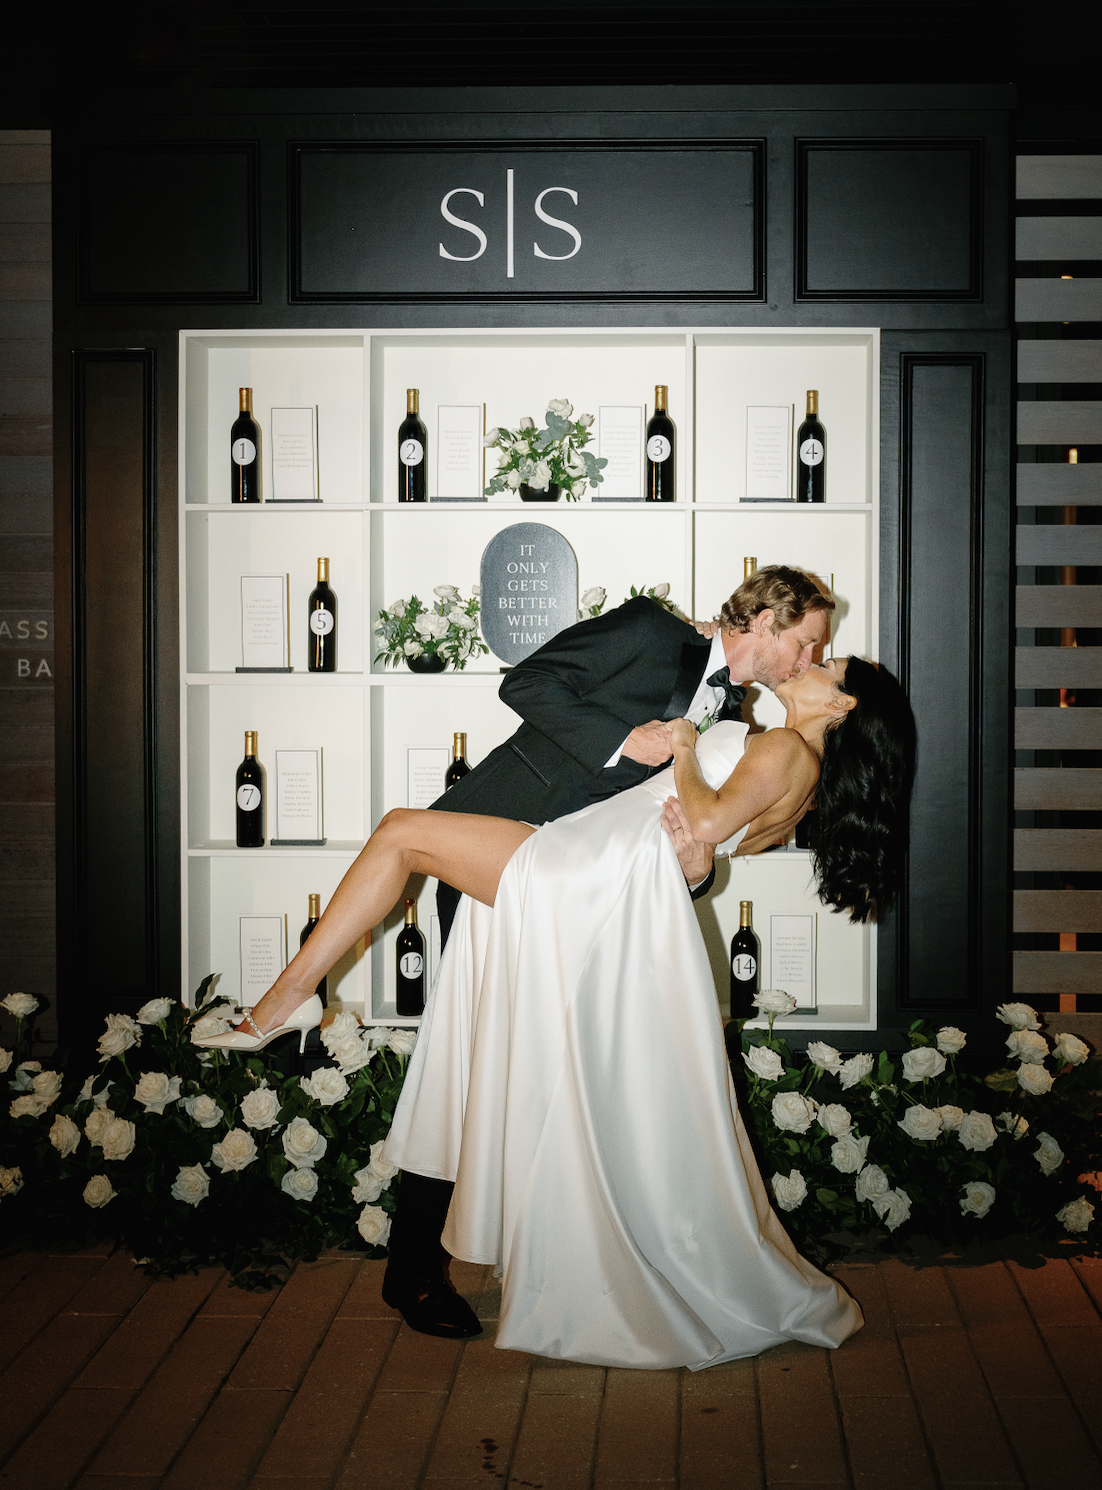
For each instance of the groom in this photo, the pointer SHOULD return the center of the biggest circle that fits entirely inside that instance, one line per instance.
(596, 703)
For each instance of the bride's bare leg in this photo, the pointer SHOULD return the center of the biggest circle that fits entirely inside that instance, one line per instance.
(460, 848)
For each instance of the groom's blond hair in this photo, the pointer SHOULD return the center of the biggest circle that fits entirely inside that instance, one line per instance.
(789, 593)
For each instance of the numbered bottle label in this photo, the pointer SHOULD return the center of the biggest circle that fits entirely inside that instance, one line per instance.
(811, 452)
(744, 966)
(658, 448)
(248, 798)
(411, 452)
(411, 964)
(321, 622)
(243, 451)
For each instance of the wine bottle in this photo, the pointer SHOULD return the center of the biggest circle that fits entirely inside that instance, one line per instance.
(245, 453)
(410, 965)
(322, 640)
(660, 456)
(459, 767)
(811, 454)
(745, 959)
(413, 449)
(250, 797)
(748, 567)
(313, 917)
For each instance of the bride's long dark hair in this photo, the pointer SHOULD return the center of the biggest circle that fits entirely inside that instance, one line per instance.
(859, 838)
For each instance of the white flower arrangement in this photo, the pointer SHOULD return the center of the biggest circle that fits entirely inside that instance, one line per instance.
(448, 629)
(555, 455)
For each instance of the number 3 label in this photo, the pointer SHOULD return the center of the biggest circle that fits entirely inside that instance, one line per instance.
(658, 448)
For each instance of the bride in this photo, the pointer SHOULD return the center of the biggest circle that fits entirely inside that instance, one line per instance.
(576, 1086)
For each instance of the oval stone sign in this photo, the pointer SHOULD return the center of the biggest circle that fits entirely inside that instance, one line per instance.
(529, 589)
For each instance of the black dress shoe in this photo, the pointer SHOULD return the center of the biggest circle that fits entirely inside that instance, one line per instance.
(431, 1306)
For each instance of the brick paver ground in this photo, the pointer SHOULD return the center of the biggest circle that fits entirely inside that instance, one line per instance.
(967, 1374)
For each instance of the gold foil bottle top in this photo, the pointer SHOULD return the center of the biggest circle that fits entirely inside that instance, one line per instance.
(250, 742)
(748, 567)
(323, 571)
(411, 400)
(745, 913)
(315, 907)
(411, 913)
(1073, 456)
(660, 398)
(459, 745)
(813, 403)
(246, 396)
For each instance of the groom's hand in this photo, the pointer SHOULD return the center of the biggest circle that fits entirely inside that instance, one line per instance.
(649, 744)
(695, 858)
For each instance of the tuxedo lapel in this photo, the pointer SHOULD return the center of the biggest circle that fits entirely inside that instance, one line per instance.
(694, 659)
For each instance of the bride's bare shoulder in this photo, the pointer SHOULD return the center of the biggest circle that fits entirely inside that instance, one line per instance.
(782, 752)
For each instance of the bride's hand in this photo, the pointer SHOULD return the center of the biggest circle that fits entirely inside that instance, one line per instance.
(683, 733)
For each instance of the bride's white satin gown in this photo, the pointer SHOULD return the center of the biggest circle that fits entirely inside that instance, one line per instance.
(571, 1077)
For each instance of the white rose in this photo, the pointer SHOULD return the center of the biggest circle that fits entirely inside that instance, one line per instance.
(1048, 1153)
(1014, 1124)
(527, 423)
(1069, 1050)
(120, 1034)
(595, 596)
(353, 1054)
(98, 1191)
(923, 1062)
(872, 1183)
(855, 1070)
(540, 478)
(28, 1105)
(402, 1041)
(343, 1024)
(374, 1225)
(47, 1087)
(849, 1154)
(835, 1119)
(203, 1110)
(789, 1191)
(575, 464)
(951, 1117)
(921, 1123)
(773, 1001)
(236, 1151)
(1018, 1016)
(98, 1119)
(950, 1040)
(11, 1182)
(765, 1063)
(191, 1185)
(1077, 1215)
(1035, 1080)
(64, 1135)
(326, 1086)
(792, 1113)
(978, 1198)
(476, 590)
(299, 1184)
(446, 592)
(893, 1208)
(424, 624)
(366, 1186)
(824, 1056)
(379, 1166)
(513, 479)
(661, 591)
(489, 439)
(303, 1144)
(156, 1090)
(6, 1058)
(117, 1139)
(560, 407)
(19, 1004)
(216, 1021)
(412, 648)
(1026, 1046)
(397, 610)
(24, 1075)
(976, 1132)
(586, 421)
(155, 1011)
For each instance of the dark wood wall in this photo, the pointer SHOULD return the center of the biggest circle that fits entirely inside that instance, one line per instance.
(861, 206)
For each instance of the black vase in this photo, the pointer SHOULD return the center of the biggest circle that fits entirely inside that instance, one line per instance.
(427, 662)
(533, 494)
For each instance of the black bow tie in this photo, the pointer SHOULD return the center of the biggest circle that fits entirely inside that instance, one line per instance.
(734, 693)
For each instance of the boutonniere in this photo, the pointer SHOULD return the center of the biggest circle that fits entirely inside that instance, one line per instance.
(707, 722)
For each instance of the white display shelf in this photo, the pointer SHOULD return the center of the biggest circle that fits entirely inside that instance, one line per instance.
(365, 717)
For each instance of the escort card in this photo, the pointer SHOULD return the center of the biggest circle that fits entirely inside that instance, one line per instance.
(425, 769)
(294, 464)
(620, 442)
(792, 959)
(768, 453)
(460, 459)
(263, 944)
(298, 799)
(264, 636)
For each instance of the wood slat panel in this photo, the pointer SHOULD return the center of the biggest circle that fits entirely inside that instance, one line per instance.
(1052, 177)
(1055, 849)
(1058, 972)
(1058, 910)
(1061, 361)
(24, 165)
(1058, 667)
(1058, 238)
(1058, 605)
(1057, 729)
(1057, 789)
(1070, 544)
(1051, 485)
(1058, 300)
(1055, 422)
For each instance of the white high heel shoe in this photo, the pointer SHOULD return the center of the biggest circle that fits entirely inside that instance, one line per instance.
(305, 1018)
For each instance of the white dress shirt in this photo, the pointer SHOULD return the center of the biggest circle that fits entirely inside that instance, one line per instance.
(705, 699)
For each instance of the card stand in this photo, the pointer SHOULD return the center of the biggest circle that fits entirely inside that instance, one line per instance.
(263, 669)
(297, 842)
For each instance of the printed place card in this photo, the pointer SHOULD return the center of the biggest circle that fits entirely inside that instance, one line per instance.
(425, 769)
(264, 636)
(460, 458)
(620, 442)
(768, 453)
(294, 463)
(298, 799)
(792, 959)
(263, 955)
